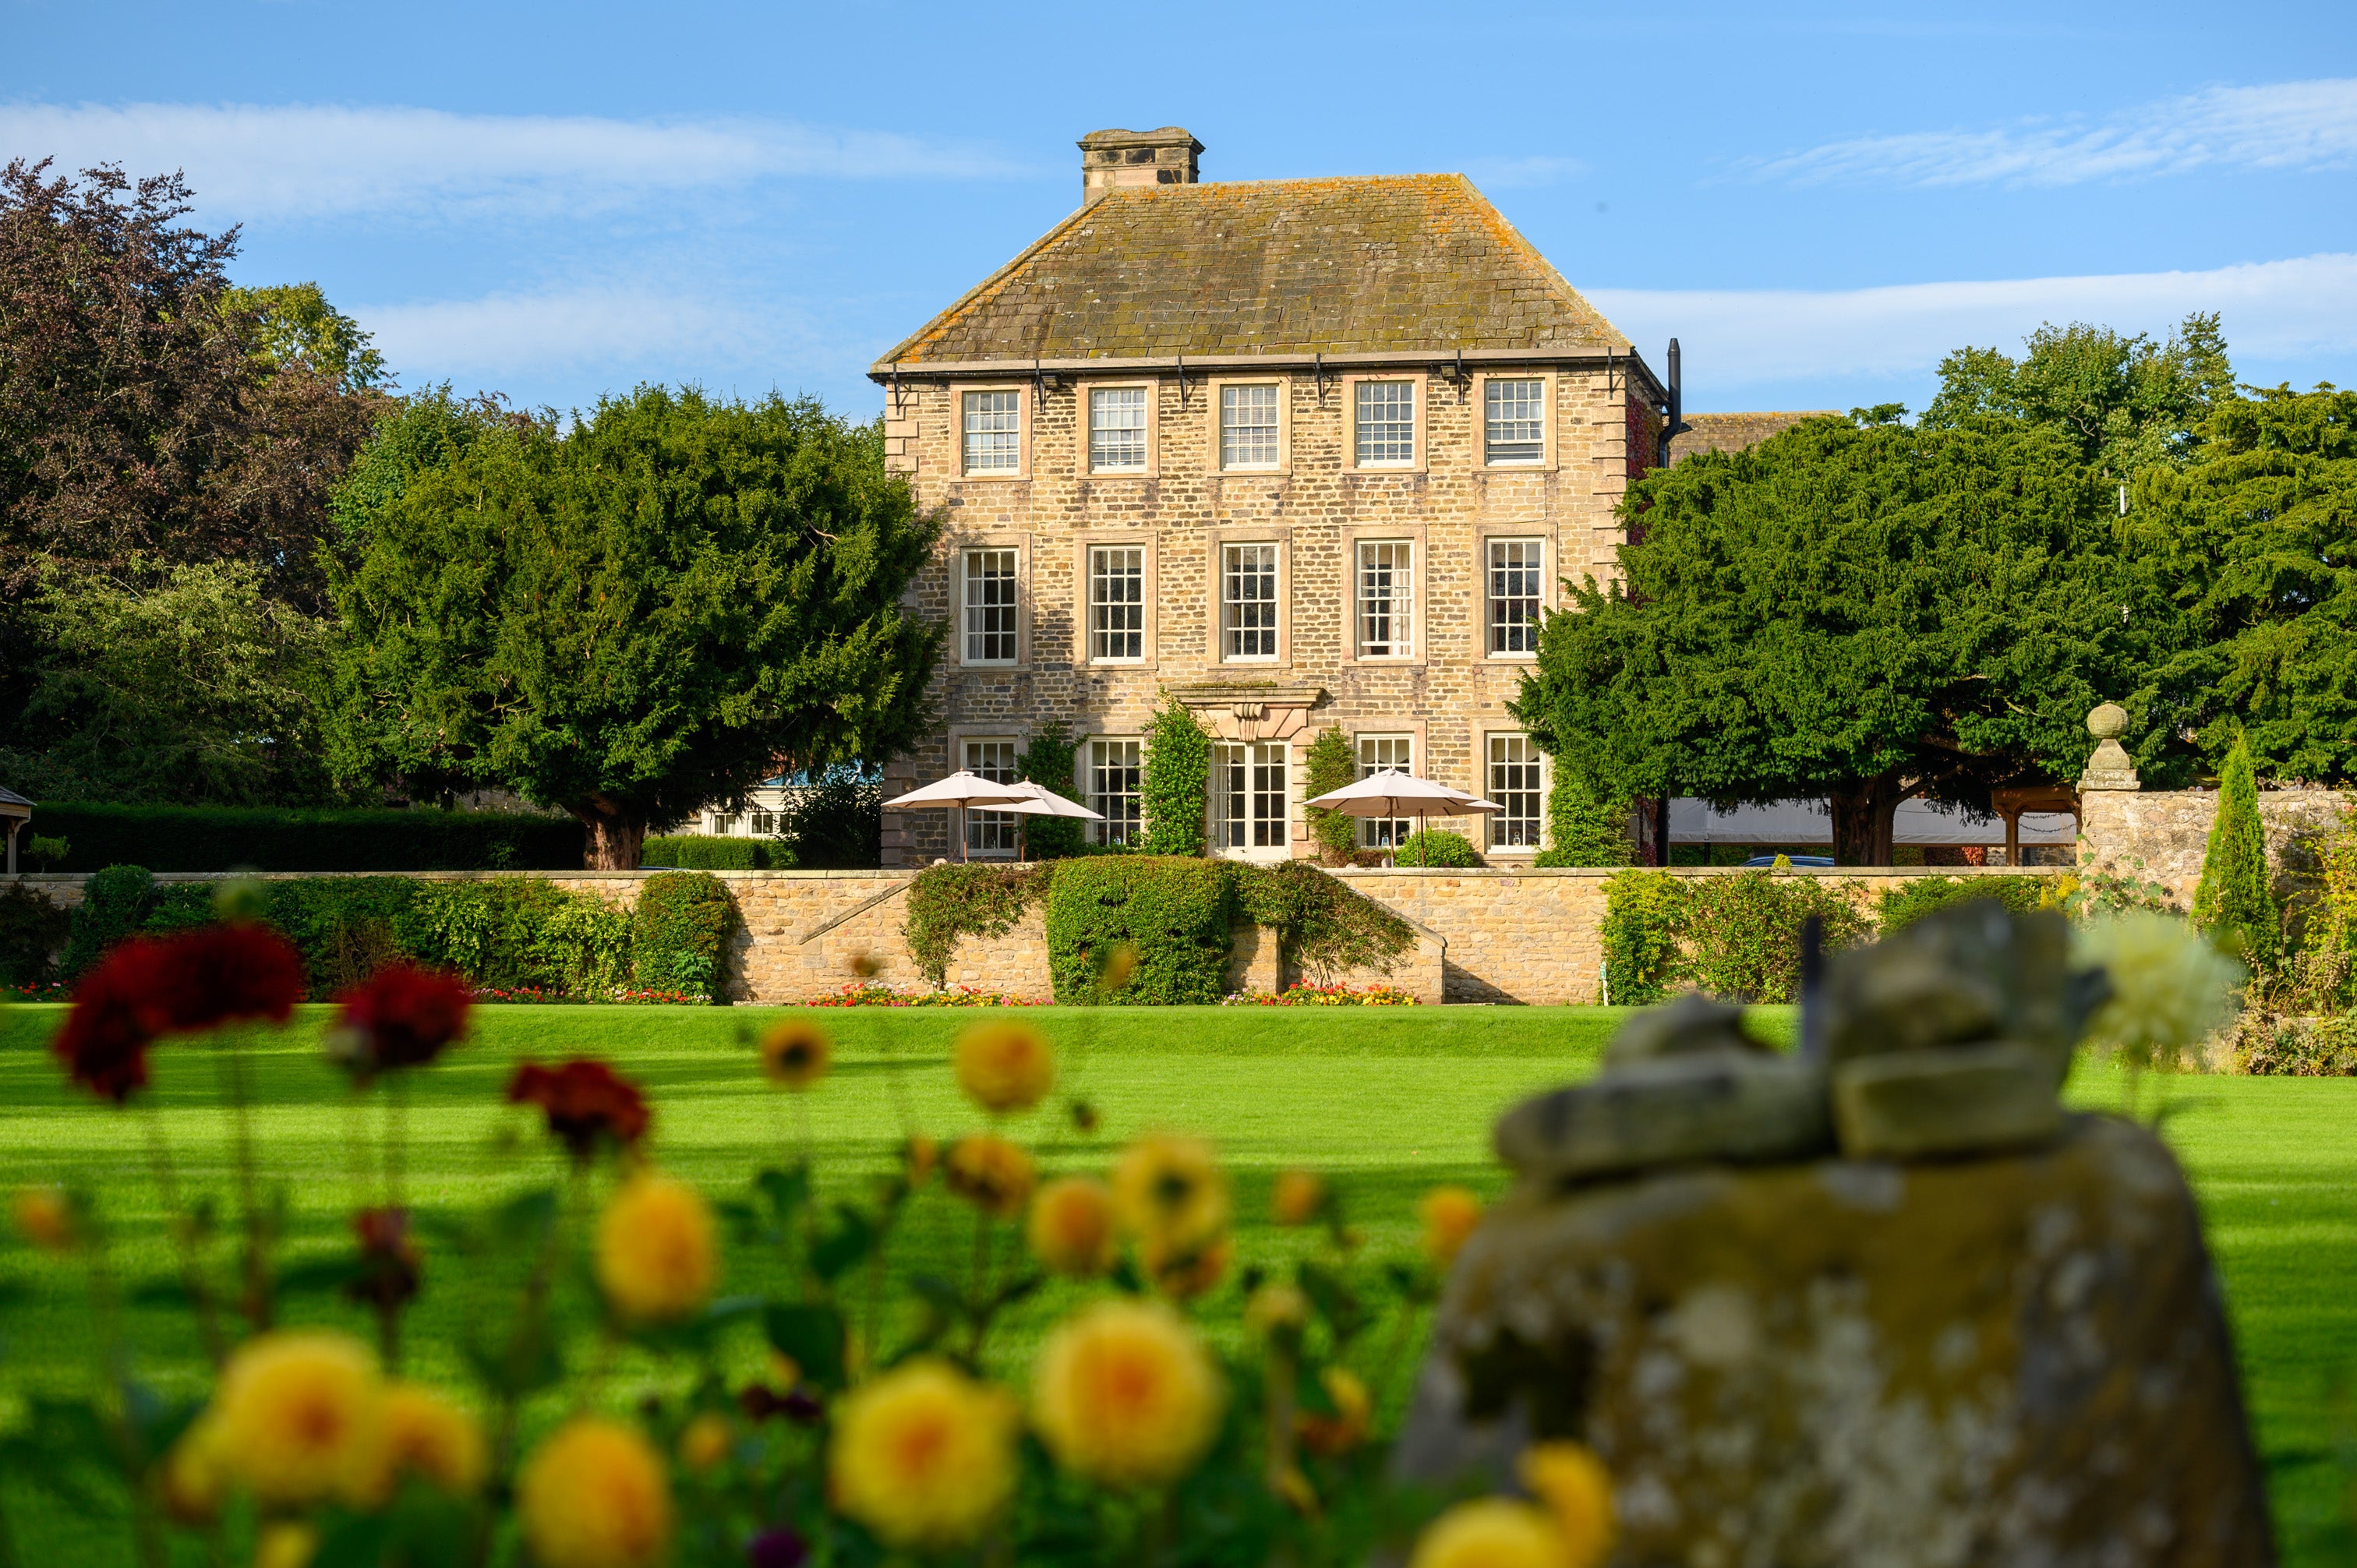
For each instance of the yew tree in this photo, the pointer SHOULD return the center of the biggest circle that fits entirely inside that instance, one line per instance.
(1854, 609)
(657, 606)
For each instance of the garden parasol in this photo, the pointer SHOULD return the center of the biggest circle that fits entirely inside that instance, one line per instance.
(1038, 800)
(1391, 793)
(965, 790)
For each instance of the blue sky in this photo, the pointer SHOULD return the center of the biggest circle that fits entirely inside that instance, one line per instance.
(560, 200)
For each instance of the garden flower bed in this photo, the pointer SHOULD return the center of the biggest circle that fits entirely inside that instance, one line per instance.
(1303, 994)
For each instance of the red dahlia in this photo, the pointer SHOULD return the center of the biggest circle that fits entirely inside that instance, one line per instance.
(583, 1101)
(402, 1016)
(118, 1010)
(217, 974)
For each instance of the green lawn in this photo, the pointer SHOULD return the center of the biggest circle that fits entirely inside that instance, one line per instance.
(1387, 1101)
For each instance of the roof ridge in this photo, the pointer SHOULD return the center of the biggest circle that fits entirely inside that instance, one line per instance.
(900, 350)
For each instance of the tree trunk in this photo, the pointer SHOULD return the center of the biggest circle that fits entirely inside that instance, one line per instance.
(614, 834)
(1862, 820)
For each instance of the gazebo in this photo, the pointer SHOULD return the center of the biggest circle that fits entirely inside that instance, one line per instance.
(14, 813)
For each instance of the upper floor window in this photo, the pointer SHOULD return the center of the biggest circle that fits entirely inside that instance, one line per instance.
(1514, 421)
(1386, 424)
(1248, 601)
(1117, 430)
(990, 608)
(1113, 772)
(994, 432)
(1248, 427)
(1517, 568)
(1386, 599)
(1117, 602)
(1515, 783)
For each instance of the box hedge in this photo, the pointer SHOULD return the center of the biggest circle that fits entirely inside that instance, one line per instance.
(221, 838)
(1175, 910)
(709, 852)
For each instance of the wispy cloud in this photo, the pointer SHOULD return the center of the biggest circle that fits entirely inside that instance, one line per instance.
(306, 161)
(1513, 174)
(2286, 125)
(2284, 310)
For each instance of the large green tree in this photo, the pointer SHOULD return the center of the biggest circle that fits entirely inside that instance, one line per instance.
(1853, 609)
(658, 606)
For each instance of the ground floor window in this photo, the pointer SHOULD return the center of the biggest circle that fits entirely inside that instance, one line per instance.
(990, 833)
(1376, 753)
(1249, 797)
(1112, 790)
(1514, 767)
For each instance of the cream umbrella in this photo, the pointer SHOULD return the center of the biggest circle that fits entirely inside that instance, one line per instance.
(964, 790)
(1038, 800)
(1392, 793)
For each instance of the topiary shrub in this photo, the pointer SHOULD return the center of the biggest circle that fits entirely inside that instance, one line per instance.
(1175, 912)
(1049, 762)
(1322, 925)
(1330, 763)
(1436, 847)
(946, 902)
(705, 852)
(2236, 900)
(116, 902)
(33, 928)
(679, 932)
(1175, 781)
(1582, 829)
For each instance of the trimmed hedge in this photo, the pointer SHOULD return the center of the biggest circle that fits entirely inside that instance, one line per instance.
(223, 838)
(708, 852)
(1902, 905)
(1437, 848)
(1737, 936)
(1175, 910)
(679, 932)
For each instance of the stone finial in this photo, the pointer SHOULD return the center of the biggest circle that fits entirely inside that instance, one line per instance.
(2109, 768)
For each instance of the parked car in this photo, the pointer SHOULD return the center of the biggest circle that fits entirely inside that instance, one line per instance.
(1764, 860)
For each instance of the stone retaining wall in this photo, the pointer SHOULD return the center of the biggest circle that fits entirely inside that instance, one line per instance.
(2161, 835)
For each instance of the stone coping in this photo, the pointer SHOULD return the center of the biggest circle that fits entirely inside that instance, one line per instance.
(1477, 872)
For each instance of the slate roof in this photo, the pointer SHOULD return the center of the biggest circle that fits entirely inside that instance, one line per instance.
(1734, 432)
(1386, 263)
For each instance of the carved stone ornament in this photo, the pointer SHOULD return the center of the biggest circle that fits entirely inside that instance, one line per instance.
(2109, 768)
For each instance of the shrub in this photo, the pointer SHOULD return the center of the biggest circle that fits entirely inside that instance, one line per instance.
(33, 928)
(2270, 1045)
(47, 853)
(946, 902)
(2235, 901)
(1735, 936)
(1331, 762)
(1436, 847)
(1583, 830)
(211, 838)
(1639, 938)
(1176, 775)
(115, 903)
(706, 852)
(679, 932)
(1176, 911)
(1322, 925)
(1901, 906)
(837, 825)
(1049, 762)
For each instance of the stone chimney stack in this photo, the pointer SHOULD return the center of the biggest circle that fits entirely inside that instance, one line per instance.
(1112, 159)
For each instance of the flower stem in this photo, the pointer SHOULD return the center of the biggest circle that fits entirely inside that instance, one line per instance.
(183, 1227)
(254, 1300)
(114, 1377)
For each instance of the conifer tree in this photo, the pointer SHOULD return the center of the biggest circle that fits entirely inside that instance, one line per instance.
(2235, 901)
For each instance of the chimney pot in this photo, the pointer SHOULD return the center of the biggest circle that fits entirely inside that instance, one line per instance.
(1114, 160)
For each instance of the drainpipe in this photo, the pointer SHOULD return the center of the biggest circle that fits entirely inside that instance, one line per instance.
(1676, 422)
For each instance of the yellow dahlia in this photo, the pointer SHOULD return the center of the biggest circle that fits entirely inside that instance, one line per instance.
(427, 1435)
(1449, 1215)
(1573, 1485)
(44, 1217)
(795, 1053)
(1491, 1532)
(919, 1154)
(593, 1495)
(1278, 1309)
(1005, 1066)
(1170, 1188)
(991, 1174)
(706, 1441)
(657, 1257)
(1299, 1197)
(1124, 1394)
(193, 1481)
(300, 1418)
(1185, 1269)
(1071, 1228)
(924, 1457)
(1354, 1413)
(285, 1544)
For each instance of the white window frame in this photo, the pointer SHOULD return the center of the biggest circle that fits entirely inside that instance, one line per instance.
(991, 835)
(1384, 833)
(1217, 387)
(958, 393)
(1420, 387)
(1489, 458)
(1535, 785)
(1092, 647)
(1256, 827)
(1085, 393)
(1118, 827)
(1490, 599)
(1400, 602)
(1226, 630)
(969, 654)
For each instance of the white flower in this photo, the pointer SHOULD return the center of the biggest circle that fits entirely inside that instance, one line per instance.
(2169, 987)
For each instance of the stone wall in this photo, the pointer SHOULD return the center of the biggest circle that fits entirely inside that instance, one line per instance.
(2161, 835)
(1499, 934)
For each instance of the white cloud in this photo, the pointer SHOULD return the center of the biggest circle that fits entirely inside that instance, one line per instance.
(2285, 126)
(1512, 174)
(2272, 311)
(320, 160)
(499, 338)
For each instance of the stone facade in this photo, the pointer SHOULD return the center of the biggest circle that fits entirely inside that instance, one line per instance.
(2162, 835)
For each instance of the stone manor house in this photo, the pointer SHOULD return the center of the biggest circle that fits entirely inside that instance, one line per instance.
(1294, 453)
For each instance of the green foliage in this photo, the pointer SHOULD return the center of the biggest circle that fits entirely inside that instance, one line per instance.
(651, 609)
(1639, 939)
(1737, 935)
(2235, 901)
(293, 325)
(1176, 778)
(116, 902)
(1907, 901)
(44, 853)
(1322, 924)
(1852, 613)
(1436, 847)
(706, 852)
(679, 932)
(33, 928)
(1049, 762)
(1584, 829)
(946, 902)
(1330, 763)
(2270, 1046)
(837, 825)
(2124, 403)
(1176, 911)
(208, 838)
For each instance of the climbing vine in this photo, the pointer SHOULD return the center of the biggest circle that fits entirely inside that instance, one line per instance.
(1322, 924)
(946, 902)
(1176, 782)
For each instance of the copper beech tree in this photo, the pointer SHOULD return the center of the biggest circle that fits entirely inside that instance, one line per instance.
(656, 606)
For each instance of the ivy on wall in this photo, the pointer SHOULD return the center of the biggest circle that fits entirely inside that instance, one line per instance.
(946, 902)
(1176, 782)
(1329, 764)
(1049, 762)
(1583, 828)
